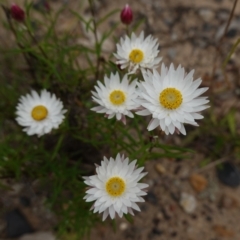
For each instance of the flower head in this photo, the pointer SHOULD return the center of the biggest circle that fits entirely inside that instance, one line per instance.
(17, 13)
(137, 53)
(39, 114)
(115, 97)
(126, 15)
(115, 187)
(172, 99)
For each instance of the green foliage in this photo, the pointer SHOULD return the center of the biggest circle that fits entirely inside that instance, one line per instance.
(51, 61)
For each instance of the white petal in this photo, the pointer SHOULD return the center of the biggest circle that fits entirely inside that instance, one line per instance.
(153, 124)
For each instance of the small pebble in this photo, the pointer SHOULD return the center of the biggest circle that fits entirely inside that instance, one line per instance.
(16, 188)
(17, 224)
(229, 174)
(198, 182)
(207, 14)
(151, 197)
(160, 168)
(188, 202)
(123, 226)
(208, 218)
(25, 201)
(157, 231)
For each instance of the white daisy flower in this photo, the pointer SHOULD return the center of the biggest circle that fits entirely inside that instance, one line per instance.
(137, 52)
(115, 188)
(172, 99)
(116, 98)
(39, 114)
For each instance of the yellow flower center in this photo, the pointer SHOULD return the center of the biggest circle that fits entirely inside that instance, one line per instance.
(115, 186)
(39, 113)
(117, 97)
(136, 55)
(170, 98)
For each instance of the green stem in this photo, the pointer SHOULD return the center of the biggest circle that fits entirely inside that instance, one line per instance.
(219, 44)
(127, 29)
(56, 149)
(18, 43)
(36, 42)
(96, 38)
(233, 49)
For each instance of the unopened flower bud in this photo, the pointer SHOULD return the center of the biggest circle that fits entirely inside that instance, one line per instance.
(126, 15)
(47, 6)
(17, 13)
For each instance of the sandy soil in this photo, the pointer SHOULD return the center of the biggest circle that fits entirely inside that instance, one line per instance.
(189, 33)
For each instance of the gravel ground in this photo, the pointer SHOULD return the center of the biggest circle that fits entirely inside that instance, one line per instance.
(184, 201)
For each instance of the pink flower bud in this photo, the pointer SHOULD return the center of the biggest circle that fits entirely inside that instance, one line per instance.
(47, 6)
(17, 13)
(126, 15)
